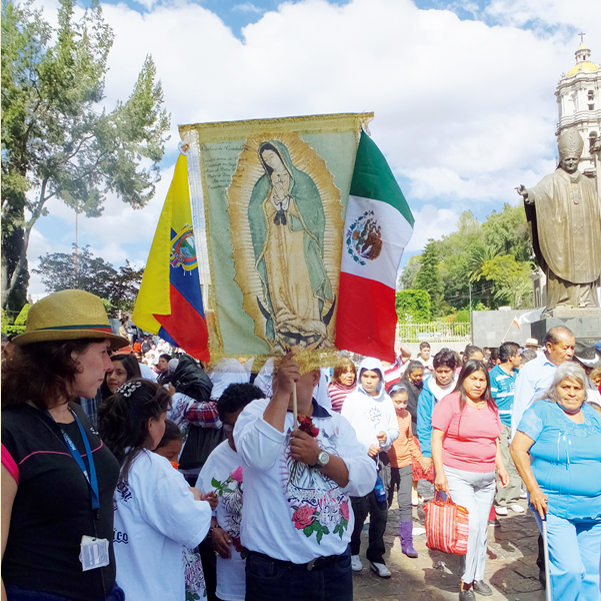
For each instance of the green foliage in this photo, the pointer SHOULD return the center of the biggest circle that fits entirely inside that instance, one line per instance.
(55, 141)
(117, 287)
(512, 284)
(428, 277)
(508, 232)
(22, 317)
(4, 322)
(407, 278)
(467, 253)
(413, 306)
(18, 327)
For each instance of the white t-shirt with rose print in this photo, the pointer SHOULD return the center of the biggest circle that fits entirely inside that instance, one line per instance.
(291, 511)
(223, 474)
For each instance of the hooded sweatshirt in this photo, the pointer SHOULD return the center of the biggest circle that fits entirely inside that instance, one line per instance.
(370, 415)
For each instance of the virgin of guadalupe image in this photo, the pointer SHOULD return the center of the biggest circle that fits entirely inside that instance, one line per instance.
(287, 224)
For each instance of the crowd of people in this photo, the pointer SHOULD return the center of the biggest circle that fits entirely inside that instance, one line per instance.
(131, 471)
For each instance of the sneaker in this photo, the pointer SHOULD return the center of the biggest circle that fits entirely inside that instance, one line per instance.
(523, 494)
(501, 510)
(380, 569)
(517, 508)
(467, 595)
(356, 564)
(482, 588)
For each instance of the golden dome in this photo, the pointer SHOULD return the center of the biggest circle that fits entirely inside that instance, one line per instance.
(581, 67)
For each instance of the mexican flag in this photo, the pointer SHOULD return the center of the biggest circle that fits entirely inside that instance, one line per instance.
(378, 226)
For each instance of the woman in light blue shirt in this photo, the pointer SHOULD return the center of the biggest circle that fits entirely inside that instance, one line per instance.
(557, 451)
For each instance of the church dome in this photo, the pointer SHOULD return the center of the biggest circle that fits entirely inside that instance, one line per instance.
(583, 64)
(581, 67)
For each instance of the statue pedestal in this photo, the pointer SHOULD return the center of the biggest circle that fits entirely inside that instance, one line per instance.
(584, 323)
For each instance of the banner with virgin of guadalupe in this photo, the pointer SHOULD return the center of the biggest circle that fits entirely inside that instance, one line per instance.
(273, 195)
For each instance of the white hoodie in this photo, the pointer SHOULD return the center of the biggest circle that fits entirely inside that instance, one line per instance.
(371, 415)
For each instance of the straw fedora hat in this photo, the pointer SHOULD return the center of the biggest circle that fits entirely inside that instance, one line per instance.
(68, 315)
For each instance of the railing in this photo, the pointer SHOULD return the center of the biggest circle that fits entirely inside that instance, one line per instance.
(436, 331)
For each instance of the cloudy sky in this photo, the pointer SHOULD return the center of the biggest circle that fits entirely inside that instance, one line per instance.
(462, 91)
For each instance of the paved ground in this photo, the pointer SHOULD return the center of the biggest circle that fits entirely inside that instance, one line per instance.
(511, 568)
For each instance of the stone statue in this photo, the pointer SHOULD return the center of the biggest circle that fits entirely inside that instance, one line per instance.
(564, 214)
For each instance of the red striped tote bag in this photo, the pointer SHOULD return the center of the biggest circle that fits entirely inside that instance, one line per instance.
(447, 525)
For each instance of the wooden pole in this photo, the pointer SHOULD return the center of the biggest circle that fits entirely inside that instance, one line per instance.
(294, 408)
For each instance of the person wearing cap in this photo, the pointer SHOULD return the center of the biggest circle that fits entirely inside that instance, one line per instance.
(58, 479)
(589, 358)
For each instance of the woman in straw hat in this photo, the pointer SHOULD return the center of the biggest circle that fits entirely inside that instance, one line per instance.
(58, 478)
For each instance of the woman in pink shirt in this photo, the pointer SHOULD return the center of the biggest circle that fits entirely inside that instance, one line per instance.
(465, 449)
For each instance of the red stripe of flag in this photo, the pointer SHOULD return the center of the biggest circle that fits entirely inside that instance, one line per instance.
(186, 326)
(366, 322)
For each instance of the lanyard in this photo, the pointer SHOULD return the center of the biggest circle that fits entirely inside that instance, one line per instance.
(91, 477)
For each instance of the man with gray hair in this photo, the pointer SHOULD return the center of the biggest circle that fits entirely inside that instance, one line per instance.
(536, 376)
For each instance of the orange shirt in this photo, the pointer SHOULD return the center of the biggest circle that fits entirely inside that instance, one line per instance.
(403, 448)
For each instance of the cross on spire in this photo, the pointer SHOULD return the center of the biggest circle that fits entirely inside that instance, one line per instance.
(582, 34)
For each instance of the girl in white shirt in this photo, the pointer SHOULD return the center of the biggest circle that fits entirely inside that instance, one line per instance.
(157, 514)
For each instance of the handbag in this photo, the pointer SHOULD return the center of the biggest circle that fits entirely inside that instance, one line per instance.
(416, 469)
(447, 525)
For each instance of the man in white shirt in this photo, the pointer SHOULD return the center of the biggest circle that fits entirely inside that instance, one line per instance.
(297, 517)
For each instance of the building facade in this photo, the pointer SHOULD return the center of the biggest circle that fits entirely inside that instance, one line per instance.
(578, 96)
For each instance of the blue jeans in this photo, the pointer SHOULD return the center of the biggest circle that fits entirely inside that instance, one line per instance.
(269, 579)
(574, 550)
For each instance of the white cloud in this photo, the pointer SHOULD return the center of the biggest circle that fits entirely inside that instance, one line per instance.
(465, 110)
(247, 7)
(431, 222)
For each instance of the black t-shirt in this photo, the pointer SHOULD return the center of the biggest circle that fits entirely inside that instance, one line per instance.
(52, 508)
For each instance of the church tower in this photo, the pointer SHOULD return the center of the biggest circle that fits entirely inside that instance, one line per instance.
(579, 103)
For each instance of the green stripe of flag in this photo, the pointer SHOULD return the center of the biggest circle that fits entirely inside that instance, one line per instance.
(372, 178)
(83, 326)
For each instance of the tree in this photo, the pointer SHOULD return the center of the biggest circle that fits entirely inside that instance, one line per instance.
(56, 140)
(413, 305)
(62, 271)
(407, 278)
(511, 280)
(428, 277)
(508, 232)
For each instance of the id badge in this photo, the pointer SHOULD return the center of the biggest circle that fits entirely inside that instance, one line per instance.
(94, 553)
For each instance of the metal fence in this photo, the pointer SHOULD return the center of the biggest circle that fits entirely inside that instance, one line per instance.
(436, 331)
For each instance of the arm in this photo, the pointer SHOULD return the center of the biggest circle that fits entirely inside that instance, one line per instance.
(9, 492)
(413, 450)
(392, 428)
(288, 375)
(440, 482)
(220, 540)
(522, 398)
(424, 422)
(520, 453)
(203, 414)
(503, 475)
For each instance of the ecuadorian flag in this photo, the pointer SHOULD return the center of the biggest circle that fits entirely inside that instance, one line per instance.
(169, 302)
(378, 226)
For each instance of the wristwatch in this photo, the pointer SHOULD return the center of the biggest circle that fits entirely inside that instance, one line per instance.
(322, 459)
